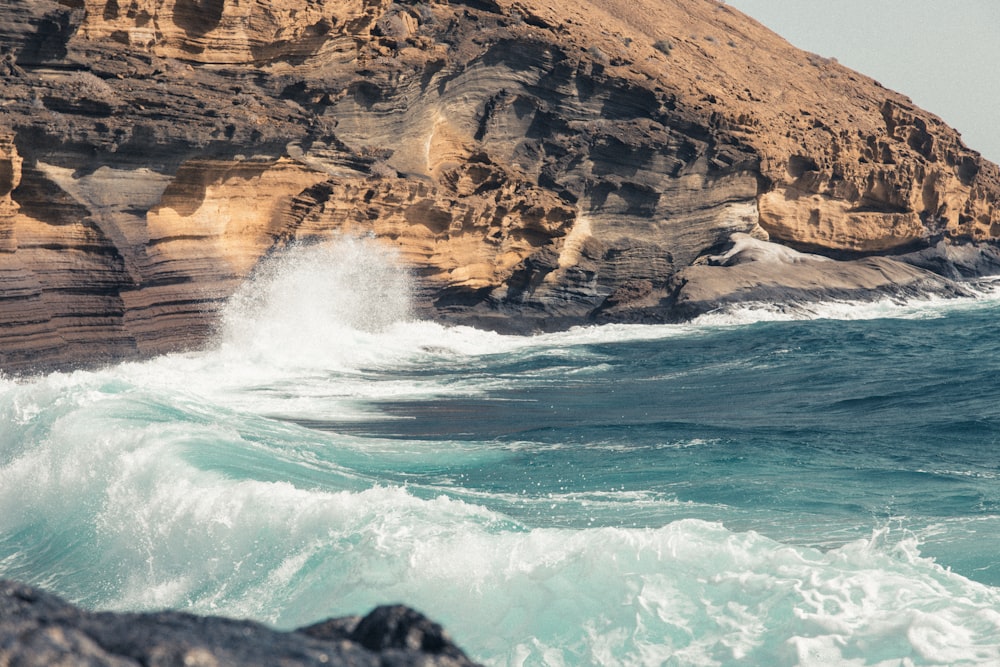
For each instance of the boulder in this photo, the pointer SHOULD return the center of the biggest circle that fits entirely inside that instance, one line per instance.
(38, 629)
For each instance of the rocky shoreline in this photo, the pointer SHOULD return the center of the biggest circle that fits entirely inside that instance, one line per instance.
(536, 166)
(38, 629)
(756, 272)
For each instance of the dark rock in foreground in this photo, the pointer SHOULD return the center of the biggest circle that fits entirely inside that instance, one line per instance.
(40, 629)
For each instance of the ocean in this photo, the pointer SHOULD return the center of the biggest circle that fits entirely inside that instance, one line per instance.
(762, 486)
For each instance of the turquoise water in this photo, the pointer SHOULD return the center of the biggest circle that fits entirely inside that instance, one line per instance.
(756, 488)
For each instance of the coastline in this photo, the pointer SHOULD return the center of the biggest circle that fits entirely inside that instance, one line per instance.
(534, 168)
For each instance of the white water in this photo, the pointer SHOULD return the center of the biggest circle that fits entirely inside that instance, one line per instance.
(171, 483)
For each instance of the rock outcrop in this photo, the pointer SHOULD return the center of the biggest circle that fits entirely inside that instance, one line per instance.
(38, 629)
(769, 275)
(537, 164)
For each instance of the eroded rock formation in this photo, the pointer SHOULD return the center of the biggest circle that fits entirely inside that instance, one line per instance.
(537, 164)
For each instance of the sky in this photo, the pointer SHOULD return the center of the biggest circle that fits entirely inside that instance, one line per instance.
(943, 54)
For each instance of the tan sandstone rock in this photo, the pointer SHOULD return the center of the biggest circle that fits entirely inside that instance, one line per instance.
(537, 164)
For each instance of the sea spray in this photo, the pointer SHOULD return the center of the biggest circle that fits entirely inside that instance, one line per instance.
(308, 304)
(781, 493)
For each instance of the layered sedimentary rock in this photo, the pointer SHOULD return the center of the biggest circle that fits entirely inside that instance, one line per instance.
(537, 164)
(38, 629)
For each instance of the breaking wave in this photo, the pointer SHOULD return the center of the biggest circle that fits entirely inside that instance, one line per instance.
(551, 499)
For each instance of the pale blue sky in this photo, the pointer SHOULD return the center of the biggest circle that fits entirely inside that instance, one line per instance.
(943, 54)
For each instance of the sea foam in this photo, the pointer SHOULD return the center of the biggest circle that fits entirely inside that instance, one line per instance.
(166, 534)
(186, 482)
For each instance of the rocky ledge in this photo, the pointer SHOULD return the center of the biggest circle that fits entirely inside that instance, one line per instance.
(537, 164)
(39, 629)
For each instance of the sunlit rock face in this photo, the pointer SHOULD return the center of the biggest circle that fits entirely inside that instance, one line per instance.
(537, 165)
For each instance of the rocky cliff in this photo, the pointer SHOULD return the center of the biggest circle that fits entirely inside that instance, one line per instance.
(537, 164)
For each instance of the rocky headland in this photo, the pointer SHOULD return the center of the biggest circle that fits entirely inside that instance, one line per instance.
(538, 165)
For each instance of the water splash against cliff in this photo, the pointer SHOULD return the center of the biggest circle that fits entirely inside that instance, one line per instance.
(307, 302)
(772, 493)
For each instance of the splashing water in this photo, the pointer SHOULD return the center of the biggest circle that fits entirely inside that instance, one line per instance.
(308, 303)
(816, 492)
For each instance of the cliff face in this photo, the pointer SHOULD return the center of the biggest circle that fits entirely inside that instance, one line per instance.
(538, 165)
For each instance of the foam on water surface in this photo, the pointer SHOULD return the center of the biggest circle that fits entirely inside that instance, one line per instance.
(706, 494)
(156, 532)
(142, 528)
